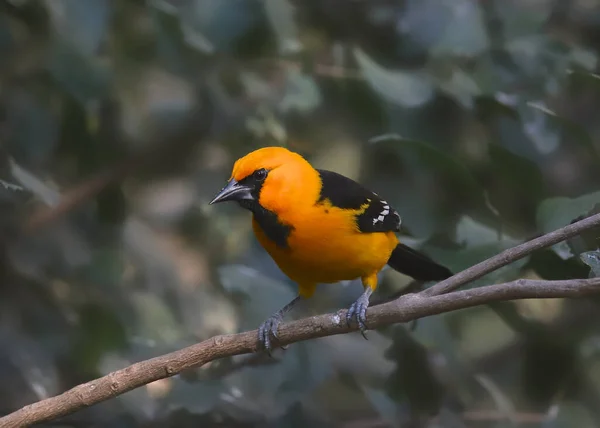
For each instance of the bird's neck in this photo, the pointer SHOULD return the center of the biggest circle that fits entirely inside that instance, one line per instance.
(283, 199)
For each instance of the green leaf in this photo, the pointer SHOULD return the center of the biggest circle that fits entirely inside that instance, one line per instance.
(554, 213)
(461, 86)
(415, 382)
(472, 233)
(84, 24)
(516, 185)
(444, 28)
(464, 34)
(299, 416)
(216, 25)
(406, 88)
(101, 332)
(385, 406)
(422, 154)
(281, 17)
(592, 259)
(570, 414)
(84, 77)
(301, 93)
(155, 320)
(578, 133)
(260, 295)
(34, 130)
(522, 18)
(504, 405)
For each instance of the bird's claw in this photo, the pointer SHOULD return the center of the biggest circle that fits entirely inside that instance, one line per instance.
(268, 328)
(358, 310)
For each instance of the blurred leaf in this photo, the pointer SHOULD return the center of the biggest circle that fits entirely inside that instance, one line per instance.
(569, 414)
(578, 133)
(155, 320)
(548, 265)
(522, 18)
(464, 33)
(414, 381)
(435, 159)
(34, 185)
(407, 88)
(445, 28)
(447, 418)
(298, 416)
(216, 25)
(554, 213)
(588, 77)
(32, 129)
(261, 296)
(491, 107)
(106, 267)
(33, 361)
(83, 24)
(385, 406)
(281, 16)
(503, 403)
(421, 156)
(516, 184)
(101, 332)
(82, 76)
(461, 86)
(538, 126)
(583, 58)
(10, 186)
(270, 390)
(301, 93)
(592, 259)
(472, 233)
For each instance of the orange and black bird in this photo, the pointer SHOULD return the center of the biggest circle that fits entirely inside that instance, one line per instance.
(320, 227)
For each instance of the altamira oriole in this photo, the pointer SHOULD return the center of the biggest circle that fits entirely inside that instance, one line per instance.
(320, 227)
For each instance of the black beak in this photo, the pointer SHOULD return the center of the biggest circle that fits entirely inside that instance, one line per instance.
(234, 191)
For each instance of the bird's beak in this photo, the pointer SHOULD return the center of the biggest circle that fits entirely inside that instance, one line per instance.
(233, 191)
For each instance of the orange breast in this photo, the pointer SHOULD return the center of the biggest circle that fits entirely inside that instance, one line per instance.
(326, 247)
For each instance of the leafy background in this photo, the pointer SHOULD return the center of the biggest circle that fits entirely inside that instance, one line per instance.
(476, 119)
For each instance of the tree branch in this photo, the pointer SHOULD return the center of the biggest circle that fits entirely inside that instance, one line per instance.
(406, 308)
(512, 254)
(435, 300)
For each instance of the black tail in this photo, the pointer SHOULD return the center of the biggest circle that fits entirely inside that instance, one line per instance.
(417, 265)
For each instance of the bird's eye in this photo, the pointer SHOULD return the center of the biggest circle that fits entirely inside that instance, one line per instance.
(260, 174)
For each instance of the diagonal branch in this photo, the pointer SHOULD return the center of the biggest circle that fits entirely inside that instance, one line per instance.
(406, 308)
(435, 300)
(511, 255)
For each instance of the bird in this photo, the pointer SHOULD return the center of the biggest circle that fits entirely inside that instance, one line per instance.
(320, 227)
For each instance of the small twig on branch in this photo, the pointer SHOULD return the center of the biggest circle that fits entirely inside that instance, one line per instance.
(435, 300)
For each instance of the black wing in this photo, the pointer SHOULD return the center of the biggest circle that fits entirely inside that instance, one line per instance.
(346, 193)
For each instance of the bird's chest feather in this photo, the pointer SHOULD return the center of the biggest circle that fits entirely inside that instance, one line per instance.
(323, 244)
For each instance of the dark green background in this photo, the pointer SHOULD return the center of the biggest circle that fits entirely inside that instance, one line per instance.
(478, 121)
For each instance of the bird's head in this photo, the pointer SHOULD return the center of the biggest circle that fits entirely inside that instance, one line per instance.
(264, 176)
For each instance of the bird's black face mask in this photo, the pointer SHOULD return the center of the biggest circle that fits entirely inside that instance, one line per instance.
(246, 192)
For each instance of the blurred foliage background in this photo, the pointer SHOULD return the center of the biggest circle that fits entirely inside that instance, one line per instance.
(119, 120)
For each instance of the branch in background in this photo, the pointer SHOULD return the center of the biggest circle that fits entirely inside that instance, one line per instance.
(405, 309)
(78, 195)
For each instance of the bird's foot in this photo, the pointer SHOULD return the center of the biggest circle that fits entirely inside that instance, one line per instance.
(268, 328)
(358, 310)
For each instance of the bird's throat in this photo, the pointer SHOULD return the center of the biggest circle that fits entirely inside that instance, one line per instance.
(269, 222)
